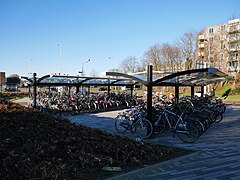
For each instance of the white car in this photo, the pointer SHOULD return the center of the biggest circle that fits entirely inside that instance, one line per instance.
(145, 93)
(198, 94)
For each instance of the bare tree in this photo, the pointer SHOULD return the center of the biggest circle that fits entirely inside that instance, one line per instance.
(170, 55)
(153, 56)
(233, 16)
(187, 44)
(129, 64)
(114, 70)
(164, 57)
(94, 73)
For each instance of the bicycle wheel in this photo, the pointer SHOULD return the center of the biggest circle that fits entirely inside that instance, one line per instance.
(219, 118)
(200, 122)
(121, 124)
(143, 128)
(191, 134)
(73, 110)
(161, 126)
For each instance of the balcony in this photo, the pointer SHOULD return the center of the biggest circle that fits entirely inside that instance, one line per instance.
(201, 46)
(232, 59)
(233, 39)
(201, 37)
(201, 54)
(234, 28)
(233, 49)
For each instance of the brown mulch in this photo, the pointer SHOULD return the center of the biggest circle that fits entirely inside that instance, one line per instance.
(12, 95)
(38, 146)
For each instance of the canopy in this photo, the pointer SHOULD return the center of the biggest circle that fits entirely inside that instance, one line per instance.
(194, 77)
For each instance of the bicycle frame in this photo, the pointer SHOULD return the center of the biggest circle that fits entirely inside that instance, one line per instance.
(135, 122)
(179, 120)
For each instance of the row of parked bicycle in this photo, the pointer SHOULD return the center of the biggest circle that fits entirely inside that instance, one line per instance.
(189, 119)
(63, 104)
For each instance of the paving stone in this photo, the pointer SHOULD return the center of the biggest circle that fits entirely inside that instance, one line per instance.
(217, 155)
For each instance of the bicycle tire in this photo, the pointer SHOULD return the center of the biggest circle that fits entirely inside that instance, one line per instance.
(121, 124)
(223, 107)
(200, 122)
(192, 134)
(143, 128)
(73, 111)
(161, 126)
(219, 118)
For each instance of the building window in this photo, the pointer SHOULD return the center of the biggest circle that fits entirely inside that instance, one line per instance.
(223, 37)
(223, 28)
(210, 48)
(232, 37)
(210, 39)
(233, 45)
(210, 30)
(223, 46)
(233, 64)
(221, 56)
(233, 27)
(233, 56)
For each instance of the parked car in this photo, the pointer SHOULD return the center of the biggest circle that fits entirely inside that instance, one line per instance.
(12, 89)
(103, 89)
(198, 94)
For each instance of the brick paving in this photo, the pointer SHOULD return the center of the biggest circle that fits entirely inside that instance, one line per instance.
(217, 153)
(24, 101)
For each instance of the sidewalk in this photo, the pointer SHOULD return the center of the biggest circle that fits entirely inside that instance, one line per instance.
(24, 101)
(232, 101)
(217, 153)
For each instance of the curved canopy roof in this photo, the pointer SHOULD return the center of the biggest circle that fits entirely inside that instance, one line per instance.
(62, 80)
(194, 77)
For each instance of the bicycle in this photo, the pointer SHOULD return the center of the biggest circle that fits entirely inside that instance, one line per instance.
(186, 129)
(133, 120)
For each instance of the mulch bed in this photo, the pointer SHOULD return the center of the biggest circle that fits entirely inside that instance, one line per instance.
(11, 95)
(38, 146)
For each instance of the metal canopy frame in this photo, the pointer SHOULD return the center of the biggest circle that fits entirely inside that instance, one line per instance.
(193, 77)
(77, 81)
(59, 80)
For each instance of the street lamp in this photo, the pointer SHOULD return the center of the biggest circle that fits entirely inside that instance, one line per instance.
(83, 64)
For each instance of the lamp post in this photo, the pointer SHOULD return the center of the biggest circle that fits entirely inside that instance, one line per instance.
(83, 65)
(60, 56)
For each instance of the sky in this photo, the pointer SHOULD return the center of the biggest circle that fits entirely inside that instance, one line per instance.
(60, 36)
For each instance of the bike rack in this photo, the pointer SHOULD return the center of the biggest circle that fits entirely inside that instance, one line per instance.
(191, 78)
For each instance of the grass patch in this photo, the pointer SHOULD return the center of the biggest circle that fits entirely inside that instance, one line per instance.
(233, 97)
(220, 92)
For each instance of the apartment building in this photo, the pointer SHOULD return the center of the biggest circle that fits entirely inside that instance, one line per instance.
(219, 46)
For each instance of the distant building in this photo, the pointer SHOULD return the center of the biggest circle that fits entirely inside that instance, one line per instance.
(2, 80)
(219, 46)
